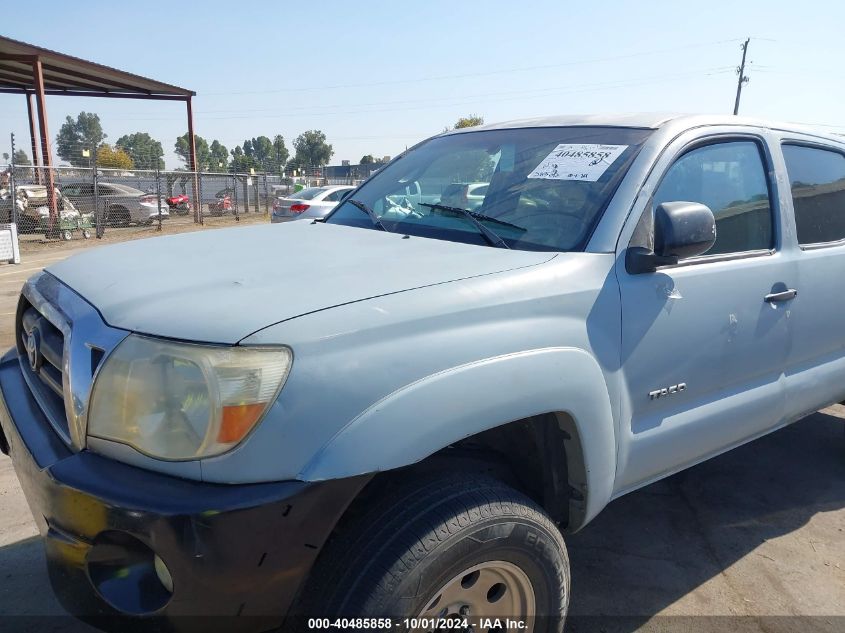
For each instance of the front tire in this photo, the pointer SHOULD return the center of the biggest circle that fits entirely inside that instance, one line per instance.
(429, 549)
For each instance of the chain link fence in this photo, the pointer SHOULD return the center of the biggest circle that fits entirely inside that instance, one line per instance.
(93, 201)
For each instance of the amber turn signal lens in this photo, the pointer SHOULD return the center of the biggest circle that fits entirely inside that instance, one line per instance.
(238, 420)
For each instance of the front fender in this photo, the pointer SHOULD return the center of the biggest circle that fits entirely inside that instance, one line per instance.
(425, 416)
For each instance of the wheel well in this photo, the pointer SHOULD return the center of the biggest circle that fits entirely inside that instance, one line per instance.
(543, 454)
(540, 455)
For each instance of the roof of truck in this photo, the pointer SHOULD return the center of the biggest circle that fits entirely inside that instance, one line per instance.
(648, 120)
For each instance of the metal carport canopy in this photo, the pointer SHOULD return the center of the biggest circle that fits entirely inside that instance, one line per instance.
(67, 75)
(37, 72)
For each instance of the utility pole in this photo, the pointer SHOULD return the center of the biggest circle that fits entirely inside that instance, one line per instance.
(13, 215)
(742, 78)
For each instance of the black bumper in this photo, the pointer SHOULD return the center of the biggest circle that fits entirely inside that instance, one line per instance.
(237, 554)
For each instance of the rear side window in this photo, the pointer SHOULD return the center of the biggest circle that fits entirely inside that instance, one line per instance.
(817, 178)
(335, 196)
(730, 179)
(308, 194)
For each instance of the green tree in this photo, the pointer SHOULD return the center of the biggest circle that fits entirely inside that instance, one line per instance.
(260, 148)
(20, 158)
(469, 121)
(74, 136)
(219, 156)
(312, 149)
(280, 153)
(113, 157)
(203, 152)
(367, 160)
(241, 162)
(260, 153)
(143, 149)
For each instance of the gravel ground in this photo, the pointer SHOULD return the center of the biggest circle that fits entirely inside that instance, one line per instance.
(36, 242)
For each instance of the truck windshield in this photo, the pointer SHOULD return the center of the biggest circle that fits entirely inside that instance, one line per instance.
(535, 188)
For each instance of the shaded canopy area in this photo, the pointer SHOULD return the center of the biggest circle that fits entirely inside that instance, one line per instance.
(36, 72)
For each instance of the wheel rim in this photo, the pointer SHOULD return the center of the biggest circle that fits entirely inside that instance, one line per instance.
(494, 589)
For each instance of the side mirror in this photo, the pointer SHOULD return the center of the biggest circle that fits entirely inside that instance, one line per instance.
(681, 230)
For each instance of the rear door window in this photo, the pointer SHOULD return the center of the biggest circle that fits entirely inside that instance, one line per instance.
(730, 179)
(817, 179)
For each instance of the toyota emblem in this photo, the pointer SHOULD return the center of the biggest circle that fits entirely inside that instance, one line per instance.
(33, 349)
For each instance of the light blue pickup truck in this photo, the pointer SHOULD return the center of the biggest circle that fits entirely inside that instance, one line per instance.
(407, 422)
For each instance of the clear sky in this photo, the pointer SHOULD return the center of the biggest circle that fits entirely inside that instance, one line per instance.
(376, 75)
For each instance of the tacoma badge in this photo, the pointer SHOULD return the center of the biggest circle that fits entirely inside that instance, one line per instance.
(667, 391)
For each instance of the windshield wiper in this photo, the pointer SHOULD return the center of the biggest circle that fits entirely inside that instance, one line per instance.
(360, 205)
(475, 218)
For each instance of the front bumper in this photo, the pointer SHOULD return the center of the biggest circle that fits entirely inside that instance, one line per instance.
(237, 554)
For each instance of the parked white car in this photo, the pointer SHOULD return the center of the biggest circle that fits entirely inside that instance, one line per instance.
(311, 203)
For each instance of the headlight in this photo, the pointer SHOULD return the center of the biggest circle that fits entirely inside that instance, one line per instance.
(179, 401)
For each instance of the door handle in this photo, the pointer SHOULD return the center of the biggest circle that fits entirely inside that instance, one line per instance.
(777, 297)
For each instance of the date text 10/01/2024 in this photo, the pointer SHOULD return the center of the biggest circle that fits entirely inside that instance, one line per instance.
(455, 623)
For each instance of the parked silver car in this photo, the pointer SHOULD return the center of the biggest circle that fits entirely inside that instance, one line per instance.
(119, 205)
(311, 203)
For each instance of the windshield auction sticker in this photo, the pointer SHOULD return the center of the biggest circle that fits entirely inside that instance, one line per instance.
(576, 161)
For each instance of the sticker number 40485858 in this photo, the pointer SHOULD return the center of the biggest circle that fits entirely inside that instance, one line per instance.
(577, 161)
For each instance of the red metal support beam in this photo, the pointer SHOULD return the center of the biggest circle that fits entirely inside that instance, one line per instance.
(92, 93)
(192, 154)
(55, 70)
(29, 59)
(55, 92)
(51, 81)
(33, 139)
(38, 78)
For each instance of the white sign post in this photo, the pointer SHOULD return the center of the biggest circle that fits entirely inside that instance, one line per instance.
(9, 249)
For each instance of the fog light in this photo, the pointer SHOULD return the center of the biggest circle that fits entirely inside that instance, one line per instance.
(163, 573)
(127, 574)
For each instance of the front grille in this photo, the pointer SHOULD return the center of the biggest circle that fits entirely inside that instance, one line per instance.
(40, 345)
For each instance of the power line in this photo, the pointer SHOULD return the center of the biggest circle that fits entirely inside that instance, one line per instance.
(449, 101)
(523, 92)
(502, 71)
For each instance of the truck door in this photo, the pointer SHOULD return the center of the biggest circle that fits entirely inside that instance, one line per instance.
(703, 349)
(816, 373)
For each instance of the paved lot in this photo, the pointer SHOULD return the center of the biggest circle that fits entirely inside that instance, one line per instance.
(758, 533)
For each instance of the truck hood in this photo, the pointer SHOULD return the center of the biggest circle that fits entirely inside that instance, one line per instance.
(220, 286)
